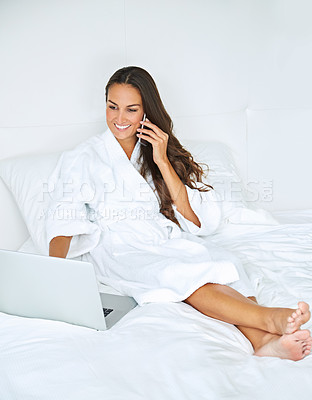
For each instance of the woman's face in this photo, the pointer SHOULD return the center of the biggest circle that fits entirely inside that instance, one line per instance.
(124, 111)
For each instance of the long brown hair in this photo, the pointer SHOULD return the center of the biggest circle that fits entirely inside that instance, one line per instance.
(188, 170)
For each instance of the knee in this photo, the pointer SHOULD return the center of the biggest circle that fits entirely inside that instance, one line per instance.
(208, 292)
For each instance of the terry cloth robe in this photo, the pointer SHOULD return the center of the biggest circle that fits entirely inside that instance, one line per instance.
(99, 197)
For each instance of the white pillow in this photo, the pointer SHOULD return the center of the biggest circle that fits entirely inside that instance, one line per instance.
(223, 175)
(27, 178)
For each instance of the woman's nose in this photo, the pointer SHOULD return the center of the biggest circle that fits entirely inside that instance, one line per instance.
(121, 117)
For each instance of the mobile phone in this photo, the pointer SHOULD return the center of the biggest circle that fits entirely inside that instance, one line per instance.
(142, 141)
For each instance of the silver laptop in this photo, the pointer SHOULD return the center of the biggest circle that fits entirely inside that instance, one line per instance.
(58, 289)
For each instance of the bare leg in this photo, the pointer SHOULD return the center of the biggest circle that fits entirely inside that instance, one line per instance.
(257, 337)
(226, 304)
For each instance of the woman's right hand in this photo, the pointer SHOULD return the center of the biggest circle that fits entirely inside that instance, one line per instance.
(59, 246)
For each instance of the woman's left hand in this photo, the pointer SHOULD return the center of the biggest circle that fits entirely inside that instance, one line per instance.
(158, 140)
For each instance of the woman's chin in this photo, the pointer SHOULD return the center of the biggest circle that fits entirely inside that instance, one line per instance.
(125, 136)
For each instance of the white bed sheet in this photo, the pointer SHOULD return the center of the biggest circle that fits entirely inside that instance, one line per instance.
(169, 351)
(294, 216)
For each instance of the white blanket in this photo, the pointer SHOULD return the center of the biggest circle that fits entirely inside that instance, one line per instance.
(100, 198)
(168, 351)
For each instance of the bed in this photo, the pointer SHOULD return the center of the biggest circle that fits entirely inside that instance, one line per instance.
(164, 351)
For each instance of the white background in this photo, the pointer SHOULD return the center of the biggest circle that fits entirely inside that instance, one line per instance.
(235, 71)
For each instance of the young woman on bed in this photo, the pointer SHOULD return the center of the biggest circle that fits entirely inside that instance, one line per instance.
(130, 93)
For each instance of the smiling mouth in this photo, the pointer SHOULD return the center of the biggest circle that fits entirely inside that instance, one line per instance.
(121, 127)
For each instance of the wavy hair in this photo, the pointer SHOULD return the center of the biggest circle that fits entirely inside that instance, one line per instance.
(188, 170)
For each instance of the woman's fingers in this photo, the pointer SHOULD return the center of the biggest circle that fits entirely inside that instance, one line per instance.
(149, 133)
(154, 128)
(147, 138)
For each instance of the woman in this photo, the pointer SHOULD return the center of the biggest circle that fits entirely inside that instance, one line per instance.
(136, 211)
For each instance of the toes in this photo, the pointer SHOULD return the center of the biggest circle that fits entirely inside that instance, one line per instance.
(304, 307)
(290, 327)
(297, 317)
(296, 313)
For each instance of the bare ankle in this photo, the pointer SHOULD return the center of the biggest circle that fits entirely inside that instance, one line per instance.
(265, 339)
(271, 321)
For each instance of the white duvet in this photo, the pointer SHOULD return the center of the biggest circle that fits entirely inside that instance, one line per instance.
(170, 350)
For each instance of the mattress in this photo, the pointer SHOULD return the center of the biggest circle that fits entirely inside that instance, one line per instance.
(170, 350)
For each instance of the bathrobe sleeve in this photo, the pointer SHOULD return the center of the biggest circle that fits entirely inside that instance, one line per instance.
(71, 187)
(206, 206)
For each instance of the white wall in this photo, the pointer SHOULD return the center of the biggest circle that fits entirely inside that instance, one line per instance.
(237, 71)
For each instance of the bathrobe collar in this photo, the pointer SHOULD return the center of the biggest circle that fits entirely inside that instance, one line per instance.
(123, 166)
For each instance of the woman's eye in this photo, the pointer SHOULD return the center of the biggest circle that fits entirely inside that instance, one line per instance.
(132, 110)
(112, 107)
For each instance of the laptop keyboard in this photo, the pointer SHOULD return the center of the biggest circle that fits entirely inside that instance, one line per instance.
(107, 311)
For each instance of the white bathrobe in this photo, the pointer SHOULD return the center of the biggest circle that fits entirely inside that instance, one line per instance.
(100, 198)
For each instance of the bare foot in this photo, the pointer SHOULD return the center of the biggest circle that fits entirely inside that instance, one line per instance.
(299, 317)
(287, 320)
(294, 346)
